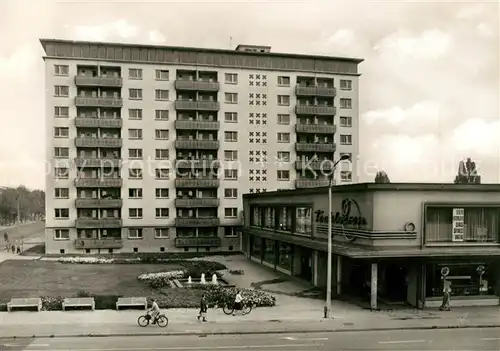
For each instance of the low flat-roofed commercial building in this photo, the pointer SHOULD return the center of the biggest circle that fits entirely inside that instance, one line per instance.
(391, 242)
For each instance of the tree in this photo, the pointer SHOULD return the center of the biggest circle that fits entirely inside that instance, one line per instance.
(382, 177)
(30, 203)
(467, 173)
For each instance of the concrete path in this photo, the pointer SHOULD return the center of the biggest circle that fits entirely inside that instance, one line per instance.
(32, 233)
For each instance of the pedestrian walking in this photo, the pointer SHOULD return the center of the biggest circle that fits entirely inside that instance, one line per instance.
(238, 299)
(445, 305)
(203, 309)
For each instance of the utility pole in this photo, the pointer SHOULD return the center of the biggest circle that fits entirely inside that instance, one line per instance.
(18, 209)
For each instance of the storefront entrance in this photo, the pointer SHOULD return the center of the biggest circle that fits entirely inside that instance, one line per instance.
(303, 267)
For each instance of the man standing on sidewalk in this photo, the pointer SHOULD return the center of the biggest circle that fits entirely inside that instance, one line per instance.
(203, 308)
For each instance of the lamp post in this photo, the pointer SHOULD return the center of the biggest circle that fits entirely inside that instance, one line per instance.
(328, 302)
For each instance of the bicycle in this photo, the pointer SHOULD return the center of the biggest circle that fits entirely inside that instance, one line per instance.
(144, 320)
(229, 308)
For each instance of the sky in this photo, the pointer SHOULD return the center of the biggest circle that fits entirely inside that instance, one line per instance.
(429, 90)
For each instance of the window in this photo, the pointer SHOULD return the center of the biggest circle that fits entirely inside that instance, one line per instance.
(283, 156)
(61, 152)
(135, 212)
(61, 234)
(161, 233)
(135, 113)
(61, 132)
(230, 155)
(231, 78)
(230, 212)
(161, 115)
(135, 134)
(283, 137)
(231, 117)
(345, 103)
(231, 136)
(231, 174)
(162, 212)
(284, 100)
(284, 119)
(231, 98)
(161, 154)
(161, 74)
(135, 193)
(345, 84)
(135, 173)
(135, 154)
(135, 233)
(303, 221)
(230, 232)
(161, 134)
(61, 111)
(162, 173)
(61, 213)
(346, 121)
(61, 91)
(161, 95)
(61, 193)
(134, 73)
(284, 81)
(135, 94)
(231, 193)
(61, 70)
(61, 172)
(346, 176)
(345, 139)
(161, 193)
(283, 175)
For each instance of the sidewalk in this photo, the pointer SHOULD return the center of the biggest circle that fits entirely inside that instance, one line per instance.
(262, 320)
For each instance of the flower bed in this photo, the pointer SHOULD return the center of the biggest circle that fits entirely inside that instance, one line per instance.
(86, 260)
(161, 279)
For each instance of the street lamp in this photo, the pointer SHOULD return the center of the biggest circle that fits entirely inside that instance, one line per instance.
(328, 302)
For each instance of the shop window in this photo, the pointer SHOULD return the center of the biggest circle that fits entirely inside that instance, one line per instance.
(480, 224)
(270, 218)
(465, 279)
(285, 256)
(256, 247)
(285, 219)
(256, 219)
(269, 251)
(303, 217)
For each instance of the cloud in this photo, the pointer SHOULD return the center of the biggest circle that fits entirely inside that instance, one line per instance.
(485, 30)
(19, 63)
(155, 36)
(430, 44)
(477, 136)
(121, 29)
(470, 11)
(343, 37)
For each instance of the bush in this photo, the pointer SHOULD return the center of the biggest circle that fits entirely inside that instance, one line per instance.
(161, 279)
(3, 306)
(196, 268)
(220, 296)
(51, 303)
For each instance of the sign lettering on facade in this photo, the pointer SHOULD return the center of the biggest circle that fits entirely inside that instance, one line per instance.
(458, 225)
(349, 217)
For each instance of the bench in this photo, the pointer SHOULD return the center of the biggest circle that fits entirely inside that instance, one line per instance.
(78, 302)
(132, 302)
(25, 303)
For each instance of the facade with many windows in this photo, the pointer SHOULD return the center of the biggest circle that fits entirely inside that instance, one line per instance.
(151, 148)
(392, 243)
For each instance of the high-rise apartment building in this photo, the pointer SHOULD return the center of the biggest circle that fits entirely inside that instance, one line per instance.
(151, 148)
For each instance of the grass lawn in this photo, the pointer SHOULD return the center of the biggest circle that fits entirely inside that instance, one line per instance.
(43, 278)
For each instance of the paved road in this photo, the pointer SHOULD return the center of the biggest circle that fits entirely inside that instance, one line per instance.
(26, 231)
(450, 339)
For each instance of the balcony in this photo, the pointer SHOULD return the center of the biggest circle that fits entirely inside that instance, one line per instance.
(310, 183)
(197, 105)
(315, 91)
(197, 144)
(98, 203)
(197, 125)
(98, 243)
(200, 202)
(94, 223)
(198, 242)
(200, 163)
(315, 110)
(98, 183)
(87, 122)
(98, 142)
(315, 128)
(110, 82)
(82, 101)
(197, 222)
(196, 85)
(324, 165)
(313, 147)
(206, 183)
(98, 162)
